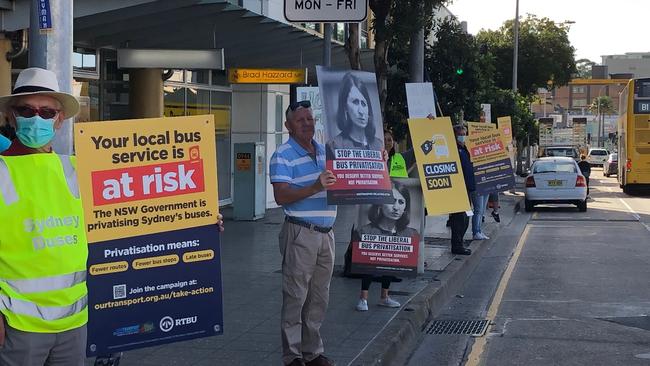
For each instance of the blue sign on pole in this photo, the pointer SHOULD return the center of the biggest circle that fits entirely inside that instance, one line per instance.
(44, 15)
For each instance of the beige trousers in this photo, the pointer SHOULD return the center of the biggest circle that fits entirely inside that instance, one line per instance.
(307, 265)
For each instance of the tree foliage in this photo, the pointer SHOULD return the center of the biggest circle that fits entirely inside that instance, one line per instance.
(453, 64)
(546, 57)
(583, 67)
(603, 105)
(392, 20)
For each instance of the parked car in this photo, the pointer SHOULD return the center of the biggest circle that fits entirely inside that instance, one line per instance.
(597, 156)
(563, 151)
(610, 166)
(555, 180)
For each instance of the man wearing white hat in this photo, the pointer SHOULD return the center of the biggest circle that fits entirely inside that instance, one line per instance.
(43, 246)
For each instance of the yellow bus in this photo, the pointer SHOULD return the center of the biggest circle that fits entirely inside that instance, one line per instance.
(634, 137)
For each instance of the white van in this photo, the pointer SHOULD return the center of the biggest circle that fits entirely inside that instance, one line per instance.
(597, 156)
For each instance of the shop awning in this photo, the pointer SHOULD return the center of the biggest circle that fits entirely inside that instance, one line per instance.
(248, 39)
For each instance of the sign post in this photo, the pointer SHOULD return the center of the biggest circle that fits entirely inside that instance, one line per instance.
(326, 11)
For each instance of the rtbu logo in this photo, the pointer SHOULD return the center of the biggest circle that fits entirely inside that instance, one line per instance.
(168, 323)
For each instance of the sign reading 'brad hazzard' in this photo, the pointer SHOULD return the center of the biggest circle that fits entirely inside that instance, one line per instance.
(267, 76)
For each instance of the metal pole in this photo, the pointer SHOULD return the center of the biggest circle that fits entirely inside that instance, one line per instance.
(53, 51)
(327, 44)
(515, 56)
(416, 62)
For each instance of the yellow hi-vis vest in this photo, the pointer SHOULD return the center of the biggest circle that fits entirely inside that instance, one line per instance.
(43, 246)
(397, 166)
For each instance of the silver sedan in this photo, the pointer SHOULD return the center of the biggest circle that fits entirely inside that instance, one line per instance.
(556, 180)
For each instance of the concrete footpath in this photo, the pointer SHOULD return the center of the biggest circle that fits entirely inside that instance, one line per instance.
(253, 298)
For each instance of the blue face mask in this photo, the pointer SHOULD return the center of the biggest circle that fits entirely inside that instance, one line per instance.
(4, 143)
(35, 131)
(460, 139)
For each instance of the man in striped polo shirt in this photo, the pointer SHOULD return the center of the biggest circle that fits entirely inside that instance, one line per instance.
(299, 181)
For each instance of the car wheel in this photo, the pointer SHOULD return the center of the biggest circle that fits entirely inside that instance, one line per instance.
(528, 205)
(582, 206)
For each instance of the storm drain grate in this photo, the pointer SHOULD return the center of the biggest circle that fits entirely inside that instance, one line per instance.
(475, 328)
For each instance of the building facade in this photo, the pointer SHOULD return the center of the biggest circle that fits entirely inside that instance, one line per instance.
(635, 63)
(575, 101)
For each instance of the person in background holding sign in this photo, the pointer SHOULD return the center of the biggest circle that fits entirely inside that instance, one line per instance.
(398, 163)
(354, 118)
(459, 221)
(299, 178)
(479, 204)
(390, 219)
(43, 295)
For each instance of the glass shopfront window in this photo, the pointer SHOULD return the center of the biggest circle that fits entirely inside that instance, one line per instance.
(195, 96)
(198, 101)
(220, 107)
(174, 99)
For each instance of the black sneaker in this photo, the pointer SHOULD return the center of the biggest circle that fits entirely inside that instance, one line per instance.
(461, 251)
(496, 216)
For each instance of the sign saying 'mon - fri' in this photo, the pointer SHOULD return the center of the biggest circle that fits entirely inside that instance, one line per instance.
(330, 11)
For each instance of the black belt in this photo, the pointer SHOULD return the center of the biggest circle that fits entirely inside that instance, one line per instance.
(298, 221)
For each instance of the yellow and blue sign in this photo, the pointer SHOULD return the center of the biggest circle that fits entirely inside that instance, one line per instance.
(505, 126)
(149, 189)
(441, 173)
(492, 169)
(477, 127)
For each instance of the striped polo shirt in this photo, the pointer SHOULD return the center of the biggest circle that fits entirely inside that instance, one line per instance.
(292, 164)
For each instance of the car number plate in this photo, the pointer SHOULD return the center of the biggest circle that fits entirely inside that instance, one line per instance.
(554, 183)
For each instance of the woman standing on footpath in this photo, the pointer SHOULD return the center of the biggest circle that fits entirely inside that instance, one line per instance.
(389, 219)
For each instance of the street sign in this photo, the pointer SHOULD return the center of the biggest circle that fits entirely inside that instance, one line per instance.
(329, 11)
(44, 16)
(267, 76)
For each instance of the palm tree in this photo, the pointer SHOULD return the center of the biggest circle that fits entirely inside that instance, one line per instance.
(601, 106)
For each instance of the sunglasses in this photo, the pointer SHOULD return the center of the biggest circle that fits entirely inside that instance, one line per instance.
(295, 105)
(28, 112)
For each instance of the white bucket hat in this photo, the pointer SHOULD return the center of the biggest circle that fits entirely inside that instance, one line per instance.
(37, 81)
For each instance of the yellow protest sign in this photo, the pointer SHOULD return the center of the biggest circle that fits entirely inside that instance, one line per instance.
(149, 190)
(505, 126)
(492, 169)
(147, 176)
(441, 173)
(477, 127)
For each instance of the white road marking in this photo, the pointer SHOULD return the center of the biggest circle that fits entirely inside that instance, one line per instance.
(474, 358)
(636, 215)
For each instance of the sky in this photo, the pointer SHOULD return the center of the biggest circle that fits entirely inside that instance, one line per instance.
(602, 27)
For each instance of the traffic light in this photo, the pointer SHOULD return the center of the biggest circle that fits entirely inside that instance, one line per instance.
(459, 71)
